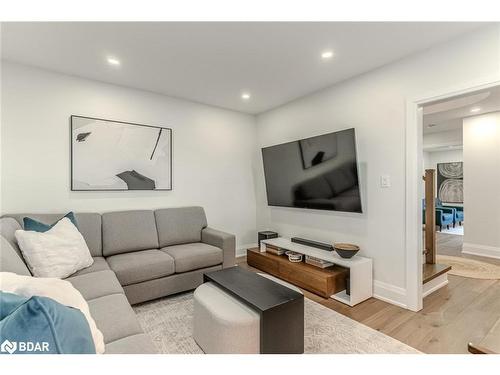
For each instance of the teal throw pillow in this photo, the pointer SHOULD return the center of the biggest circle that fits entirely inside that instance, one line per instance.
(40, 325)
(37, 226)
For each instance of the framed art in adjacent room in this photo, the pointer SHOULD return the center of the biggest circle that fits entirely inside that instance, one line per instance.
(117, 155)
(450, 182)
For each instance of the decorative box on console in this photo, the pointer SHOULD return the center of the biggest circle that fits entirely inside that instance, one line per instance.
(266, 235)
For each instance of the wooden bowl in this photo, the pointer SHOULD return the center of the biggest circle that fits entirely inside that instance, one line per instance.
(346, 250)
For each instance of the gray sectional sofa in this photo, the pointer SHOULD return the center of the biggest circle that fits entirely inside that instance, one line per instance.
(138, 256)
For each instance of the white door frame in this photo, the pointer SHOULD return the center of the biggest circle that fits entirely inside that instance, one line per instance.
(414, 189)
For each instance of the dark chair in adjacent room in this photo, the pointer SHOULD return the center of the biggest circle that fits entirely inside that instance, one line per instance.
(444, 216)
(458, 214)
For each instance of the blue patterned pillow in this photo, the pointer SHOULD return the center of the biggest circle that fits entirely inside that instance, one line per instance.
(40, 325)
(37, 226)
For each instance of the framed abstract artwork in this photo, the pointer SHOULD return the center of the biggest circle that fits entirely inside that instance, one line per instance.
(450, 182)
(109, 155)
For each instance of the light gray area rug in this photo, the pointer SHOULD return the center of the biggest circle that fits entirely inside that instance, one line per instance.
(168, 322)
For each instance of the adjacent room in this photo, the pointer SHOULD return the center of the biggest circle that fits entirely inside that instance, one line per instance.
(460, 148)
(444, 126)
(250, 187)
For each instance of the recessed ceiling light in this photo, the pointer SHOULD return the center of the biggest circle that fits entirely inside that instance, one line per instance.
(475, 109)
(325, 55)
(113, 61)
(245, 96)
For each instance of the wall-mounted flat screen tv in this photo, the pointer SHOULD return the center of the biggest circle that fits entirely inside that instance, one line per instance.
(318, 173)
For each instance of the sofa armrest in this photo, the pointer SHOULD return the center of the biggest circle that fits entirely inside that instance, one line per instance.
(224, 241)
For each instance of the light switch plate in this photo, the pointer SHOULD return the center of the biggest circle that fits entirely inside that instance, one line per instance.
(385, 181)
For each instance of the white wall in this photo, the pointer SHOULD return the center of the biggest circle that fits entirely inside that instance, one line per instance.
(482, 185)
(434, 158)
(426, 160)
(375, 104)
(212, 149)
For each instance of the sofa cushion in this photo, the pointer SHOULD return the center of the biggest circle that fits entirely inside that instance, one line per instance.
(192, 256)
(131, 268)
(180, 225)
(8, 227)
(127, 231)
(89, 225)
(135, 344)
(10, 260)
(99, 264)
(96, 284)
(114, 317)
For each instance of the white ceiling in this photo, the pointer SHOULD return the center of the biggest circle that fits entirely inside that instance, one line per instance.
(448, 114)
(214, 63)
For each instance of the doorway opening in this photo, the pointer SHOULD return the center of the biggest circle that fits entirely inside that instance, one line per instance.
(414, 244)
(447, 125)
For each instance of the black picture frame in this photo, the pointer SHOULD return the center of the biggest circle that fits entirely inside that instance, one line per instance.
(445, 180)
(170, 132)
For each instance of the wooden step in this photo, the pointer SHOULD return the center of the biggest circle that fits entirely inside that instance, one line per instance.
(431, 271)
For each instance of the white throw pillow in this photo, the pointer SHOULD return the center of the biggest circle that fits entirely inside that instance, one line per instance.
(59, 290)
(59, 252)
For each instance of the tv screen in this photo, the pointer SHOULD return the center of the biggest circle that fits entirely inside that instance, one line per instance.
(319, 173)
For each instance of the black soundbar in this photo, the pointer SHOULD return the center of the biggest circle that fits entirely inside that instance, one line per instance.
(316, 244)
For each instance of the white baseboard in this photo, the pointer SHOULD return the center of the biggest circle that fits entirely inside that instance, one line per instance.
(389, 293)
(481, 250)
(241, 251)
(434, 284)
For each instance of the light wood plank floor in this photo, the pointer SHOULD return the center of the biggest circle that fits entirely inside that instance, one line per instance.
(463, 311)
